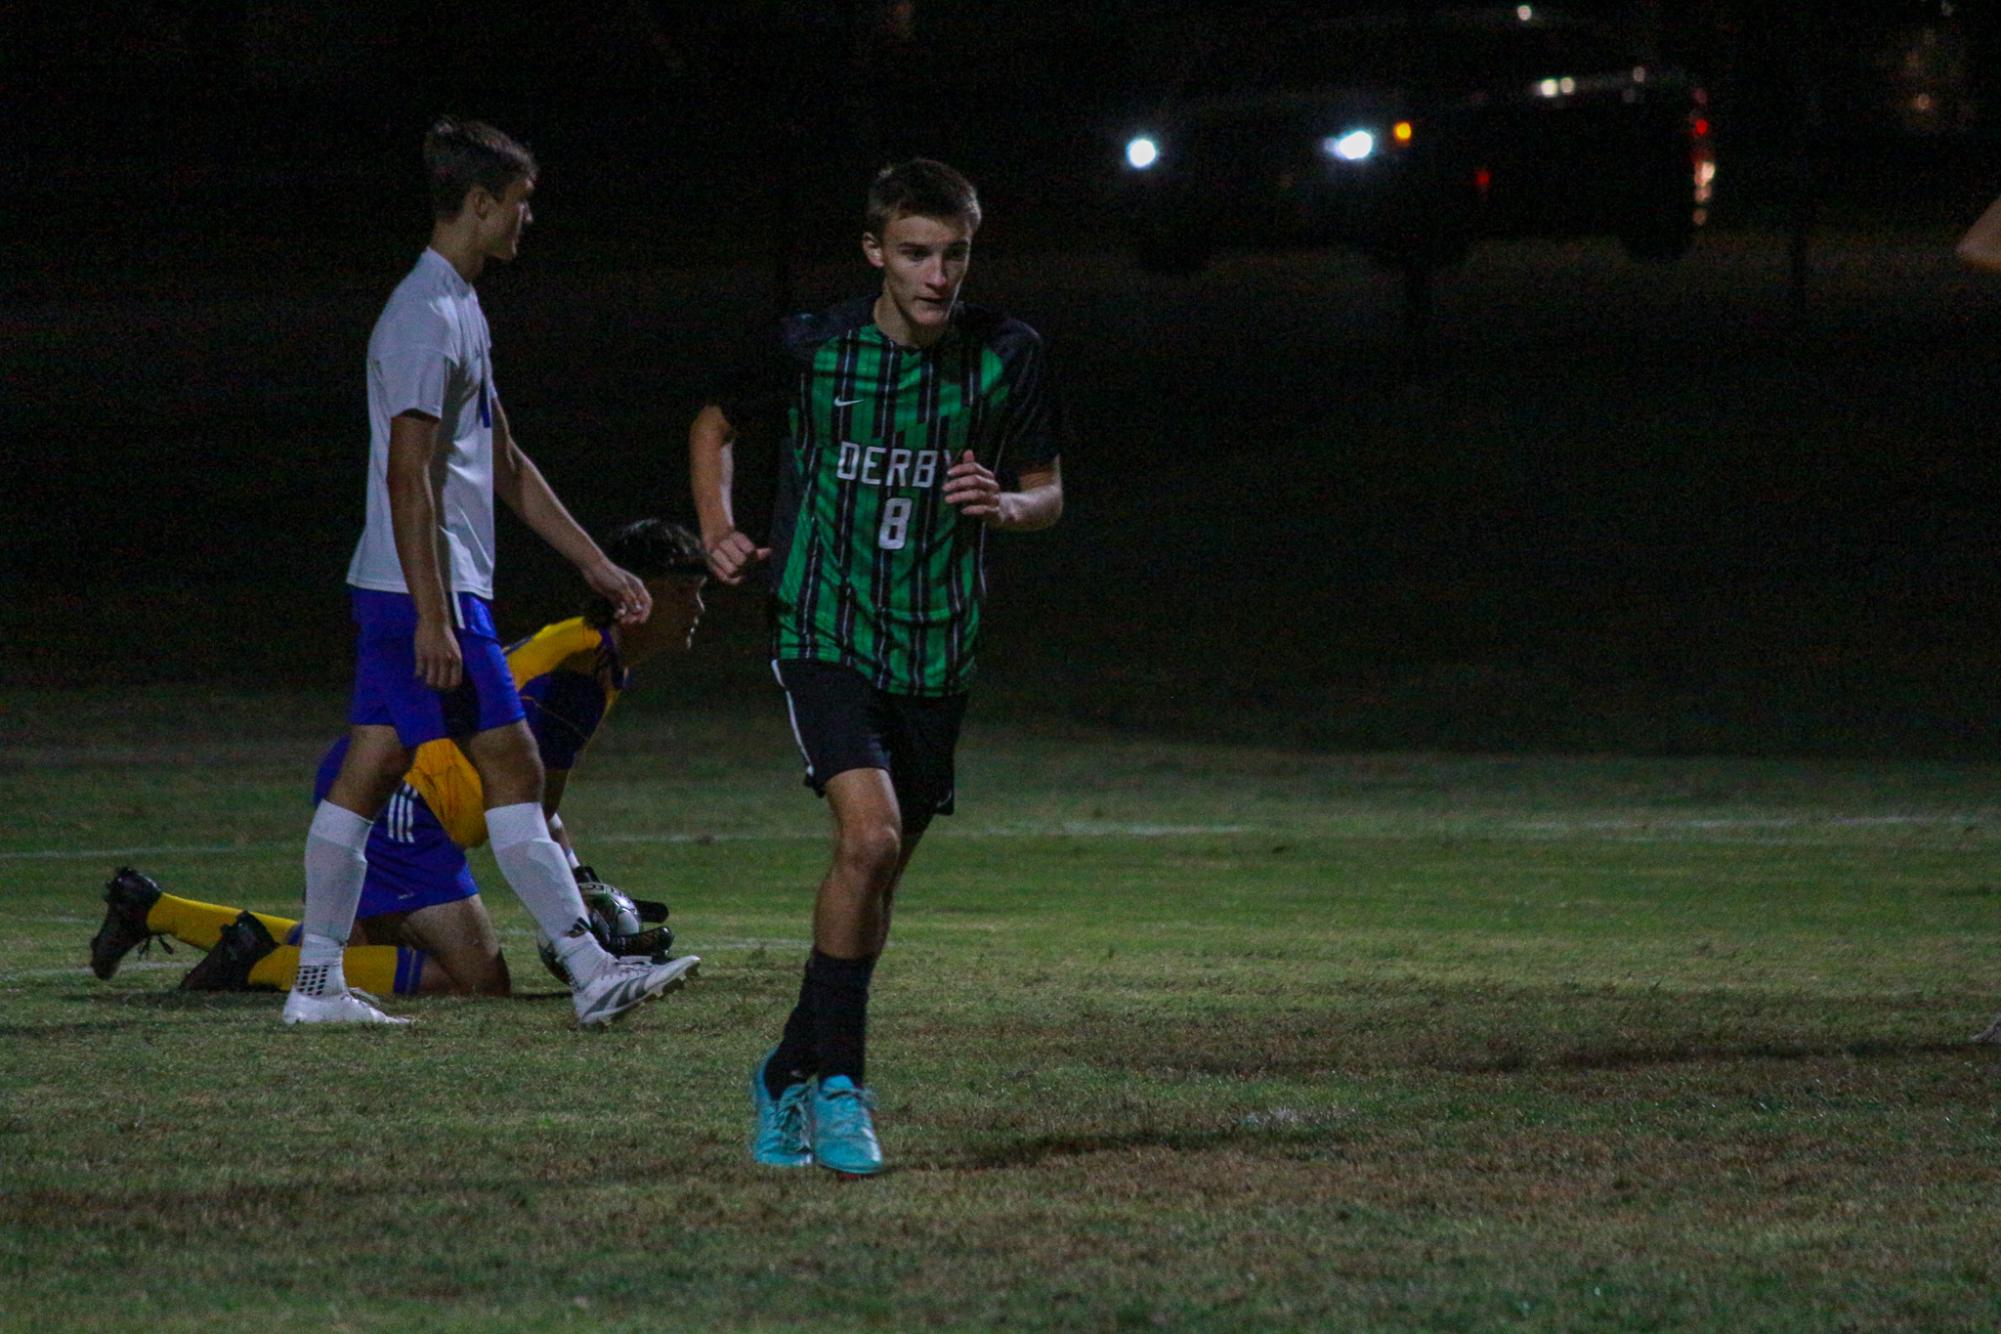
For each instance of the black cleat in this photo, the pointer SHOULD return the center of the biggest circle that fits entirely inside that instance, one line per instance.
(227, 966)
(655, 943)
(128, 897)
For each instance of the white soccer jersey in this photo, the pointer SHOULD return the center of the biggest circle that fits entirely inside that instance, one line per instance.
(431, 353)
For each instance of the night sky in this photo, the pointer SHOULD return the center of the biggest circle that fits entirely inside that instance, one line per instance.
(1690, 505)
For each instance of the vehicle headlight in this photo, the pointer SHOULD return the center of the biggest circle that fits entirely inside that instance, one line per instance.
(1142, 152)
(1350, 147)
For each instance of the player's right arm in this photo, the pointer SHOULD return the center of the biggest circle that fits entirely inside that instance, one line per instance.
(711, 476)
(1981, 246)
(413, 516)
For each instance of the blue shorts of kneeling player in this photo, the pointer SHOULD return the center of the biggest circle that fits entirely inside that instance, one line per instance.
(412, 861)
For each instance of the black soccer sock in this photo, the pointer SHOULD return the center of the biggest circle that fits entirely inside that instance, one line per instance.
(794, 1060)
(839, 1009)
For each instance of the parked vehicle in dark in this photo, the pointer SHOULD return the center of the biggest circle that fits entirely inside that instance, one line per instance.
(1411, 136)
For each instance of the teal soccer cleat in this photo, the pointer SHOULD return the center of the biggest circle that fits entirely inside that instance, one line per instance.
(843, 1129)
(779, 1136)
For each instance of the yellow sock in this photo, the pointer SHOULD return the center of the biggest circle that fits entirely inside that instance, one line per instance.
(281, 928)
(278, 970)
(372, 968)
(199, 924)
(382, 969)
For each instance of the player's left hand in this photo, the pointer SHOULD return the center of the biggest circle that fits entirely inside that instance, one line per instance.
(623, 589)
(974, 489)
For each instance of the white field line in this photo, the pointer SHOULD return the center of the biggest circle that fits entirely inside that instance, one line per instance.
(159, 850)
(1752, 822)
(11, 975)
(1758, 831)
(1792, 831)
(1065, 829)
(83, 969)
(1072, 829)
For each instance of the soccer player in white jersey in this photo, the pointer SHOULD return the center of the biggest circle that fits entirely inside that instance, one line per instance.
(429, 664)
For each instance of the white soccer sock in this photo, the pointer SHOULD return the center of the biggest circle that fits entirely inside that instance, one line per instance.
(569, 853)
(538, 872)
(336, 865)
(320, 973)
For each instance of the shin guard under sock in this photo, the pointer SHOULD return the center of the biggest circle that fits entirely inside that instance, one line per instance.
(838, 994)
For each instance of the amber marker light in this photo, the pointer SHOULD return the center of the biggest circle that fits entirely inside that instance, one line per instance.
(1401, 131)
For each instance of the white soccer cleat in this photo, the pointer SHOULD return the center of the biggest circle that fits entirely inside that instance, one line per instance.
(1991, 1033)
(626, 985)
(347, 1007)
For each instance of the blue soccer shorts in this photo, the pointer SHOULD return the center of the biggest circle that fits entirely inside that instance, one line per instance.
(412, 861)
(388, 691)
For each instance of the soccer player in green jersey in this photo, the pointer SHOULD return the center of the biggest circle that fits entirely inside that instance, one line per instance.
(912, 426)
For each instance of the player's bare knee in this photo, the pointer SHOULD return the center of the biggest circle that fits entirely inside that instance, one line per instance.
(509, 766)
(515, 791)
(871, 849)
(370, 771)
(515, 783)
(466, 970)
(486, 978)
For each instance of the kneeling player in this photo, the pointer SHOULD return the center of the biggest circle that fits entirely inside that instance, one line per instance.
(421, 927)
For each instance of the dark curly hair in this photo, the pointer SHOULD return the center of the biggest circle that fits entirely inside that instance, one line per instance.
(649, 548)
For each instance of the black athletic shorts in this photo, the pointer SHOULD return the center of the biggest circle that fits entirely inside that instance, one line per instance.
(842, 722)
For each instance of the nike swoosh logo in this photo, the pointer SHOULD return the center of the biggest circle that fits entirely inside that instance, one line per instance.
(846, 402)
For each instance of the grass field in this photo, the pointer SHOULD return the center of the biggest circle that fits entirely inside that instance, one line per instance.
(1170, 1036)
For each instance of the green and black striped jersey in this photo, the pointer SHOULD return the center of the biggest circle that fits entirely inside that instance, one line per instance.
(870, 568)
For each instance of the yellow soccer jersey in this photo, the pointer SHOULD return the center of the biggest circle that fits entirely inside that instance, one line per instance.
(569, 676)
